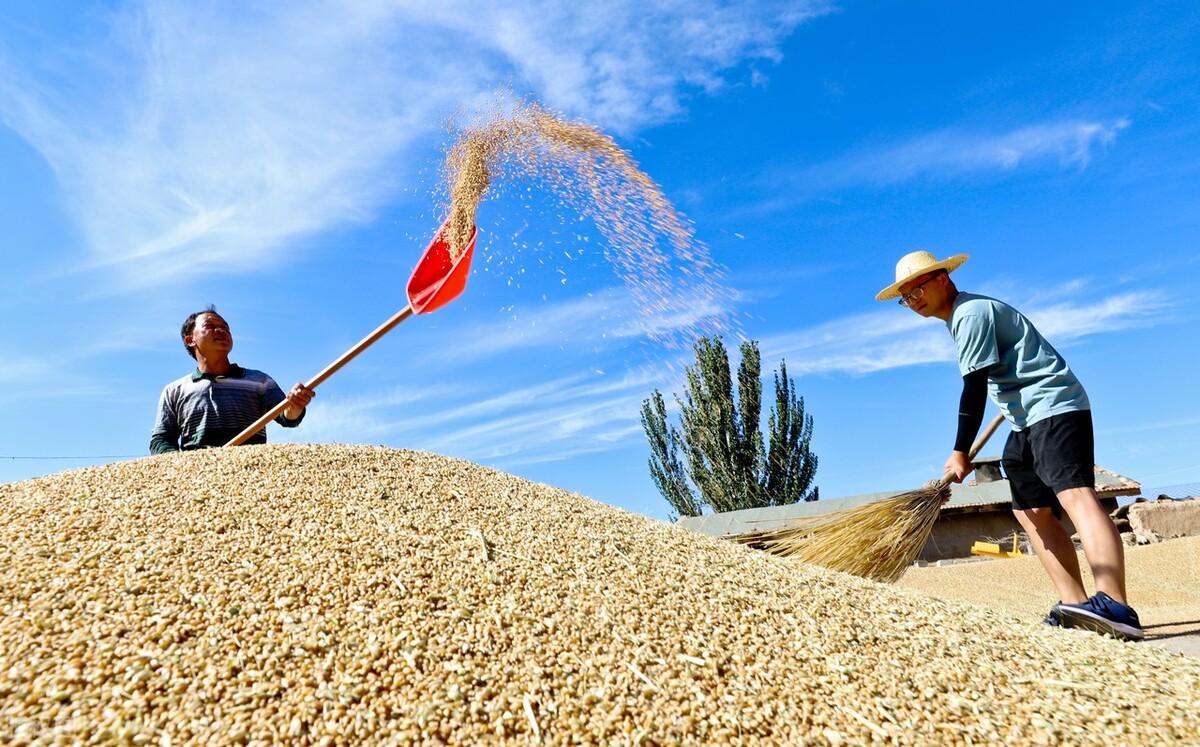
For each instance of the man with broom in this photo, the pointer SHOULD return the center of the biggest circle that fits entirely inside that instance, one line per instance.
(1049, 457)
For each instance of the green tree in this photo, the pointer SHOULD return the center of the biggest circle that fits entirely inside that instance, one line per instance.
(791, 465)
(722, 441)
(665, 468)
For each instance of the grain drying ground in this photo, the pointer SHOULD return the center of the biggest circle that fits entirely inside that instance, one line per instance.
(1161, 581)
(342, 595)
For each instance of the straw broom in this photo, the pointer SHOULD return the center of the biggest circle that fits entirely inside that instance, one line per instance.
(878, 541)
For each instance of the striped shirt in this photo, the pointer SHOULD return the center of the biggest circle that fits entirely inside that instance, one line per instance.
(200, 410)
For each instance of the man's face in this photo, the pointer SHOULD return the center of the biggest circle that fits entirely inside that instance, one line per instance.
(210, 336)
(927, 294)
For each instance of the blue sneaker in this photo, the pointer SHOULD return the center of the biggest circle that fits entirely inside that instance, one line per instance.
(1102, 614)
(1053, 618)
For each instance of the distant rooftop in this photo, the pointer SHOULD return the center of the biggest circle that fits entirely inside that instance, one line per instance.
(1177, 492)
(969, 496)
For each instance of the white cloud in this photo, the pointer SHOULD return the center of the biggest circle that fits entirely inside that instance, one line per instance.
(52, 376)
(587, 412)
(947, 154)
(860, 344)
(363, 418)
(583, 319)
(953, 153)
(1066, 321)
(624, 63)
(895, 338)
(197, 138)
(548, 421)
(25, 368)
(596, 444)
(608, 315)
(225, 136)
(1128, 430)
(535, 429)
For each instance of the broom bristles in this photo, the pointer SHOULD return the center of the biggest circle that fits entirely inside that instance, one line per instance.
(878, 541)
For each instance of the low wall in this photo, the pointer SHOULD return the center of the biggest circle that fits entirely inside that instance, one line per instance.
(1160, 520)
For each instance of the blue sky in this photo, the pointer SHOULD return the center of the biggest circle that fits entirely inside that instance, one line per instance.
(284, 164)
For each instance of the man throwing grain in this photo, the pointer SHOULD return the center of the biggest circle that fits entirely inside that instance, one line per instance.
(219, 399)
(1049, 455)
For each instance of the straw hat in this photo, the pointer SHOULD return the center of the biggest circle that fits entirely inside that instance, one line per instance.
(914, 265)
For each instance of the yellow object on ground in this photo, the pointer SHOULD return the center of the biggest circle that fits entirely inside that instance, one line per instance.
(993, 549)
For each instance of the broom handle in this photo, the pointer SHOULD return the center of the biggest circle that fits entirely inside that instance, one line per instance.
(328, 371)
(979, 442)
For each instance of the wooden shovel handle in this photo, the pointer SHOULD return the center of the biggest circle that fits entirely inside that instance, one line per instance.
(979, 442)
(328, 371)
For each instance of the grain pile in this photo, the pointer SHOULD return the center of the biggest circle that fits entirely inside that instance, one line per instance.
(651, 246)
(342, 595)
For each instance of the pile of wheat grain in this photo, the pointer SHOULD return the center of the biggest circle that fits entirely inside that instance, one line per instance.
(351, 595)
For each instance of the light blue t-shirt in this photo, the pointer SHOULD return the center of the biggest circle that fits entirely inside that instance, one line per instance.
(1027, 378)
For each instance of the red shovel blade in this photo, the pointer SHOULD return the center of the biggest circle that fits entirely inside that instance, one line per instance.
(438, 279)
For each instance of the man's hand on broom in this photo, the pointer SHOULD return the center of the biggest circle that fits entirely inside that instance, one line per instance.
(958, 466)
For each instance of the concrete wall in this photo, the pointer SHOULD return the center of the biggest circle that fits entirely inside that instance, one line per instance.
(1162, 520)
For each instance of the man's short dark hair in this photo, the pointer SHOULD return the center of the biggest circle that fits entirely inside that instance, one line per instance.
(189, 326)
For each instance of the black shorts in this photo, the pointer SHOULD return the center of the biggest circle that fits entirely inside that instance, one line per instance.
(1049, 457)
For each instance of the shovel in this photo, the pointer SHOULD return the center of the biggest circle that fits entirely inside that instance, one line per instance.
(436, 281)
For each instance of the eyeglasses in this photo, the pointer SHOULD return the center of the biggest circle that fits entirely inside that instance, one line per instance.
(906, 299)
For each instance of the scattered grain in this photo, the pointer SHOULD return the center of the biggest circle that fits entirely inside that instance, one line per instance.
(651, 246)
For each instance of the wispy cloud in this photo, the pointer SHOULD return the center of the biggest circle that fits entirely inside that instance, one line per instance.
(1161, 425)
(946, 154)
(1067, 321)
(860, 344)
(367, 417)
(201, 138)
(26, 377)
(605, 316)
(535, 430)
(222, 136)
(551, 420)
(580, 320)
(622, 63)
(590, 412)
(952, 153)
(887, 339)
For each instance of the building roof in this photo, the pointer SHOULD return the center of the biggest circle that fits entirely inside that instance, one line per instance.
(967, 497)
